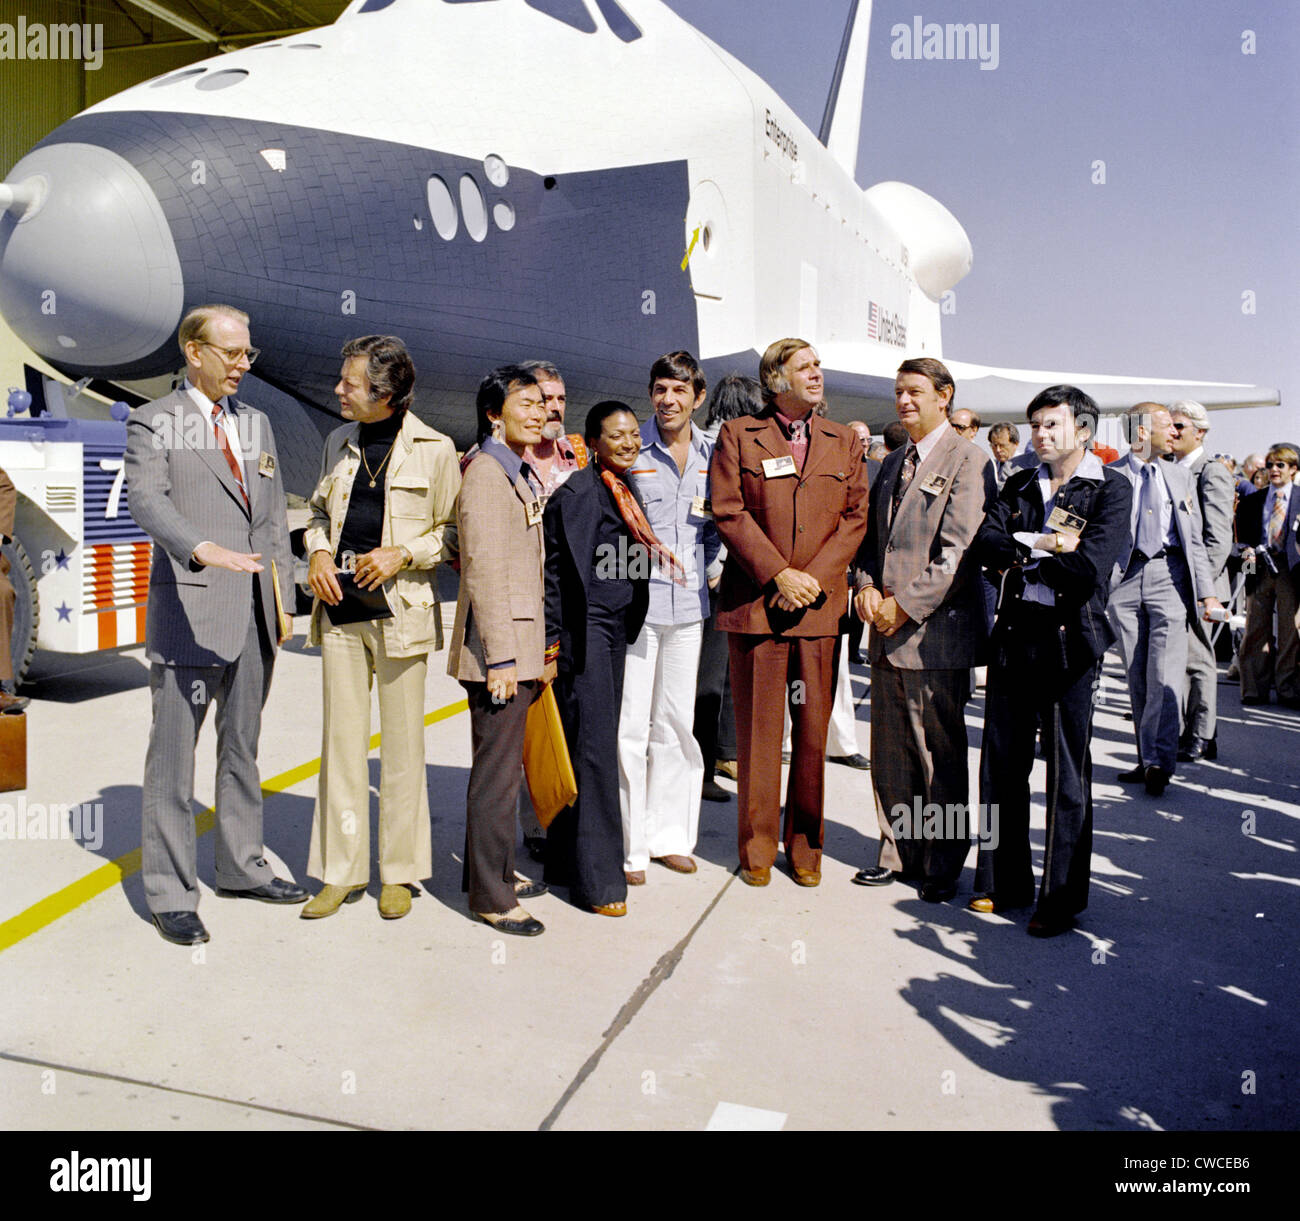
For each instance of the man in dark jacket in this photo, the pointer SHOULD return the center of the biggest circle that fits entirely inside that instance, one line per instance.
(1051, 538)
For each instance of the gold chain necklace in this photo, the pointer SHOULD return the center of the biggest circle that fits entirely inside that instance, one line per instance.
(374, 475)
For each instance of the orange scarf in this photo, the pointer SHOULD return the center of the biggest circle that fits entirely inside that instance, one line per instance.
(639, 528)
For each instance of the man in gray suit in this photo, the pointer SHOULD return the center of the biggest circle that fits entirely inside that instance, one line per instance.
(919, 588)
(204, 484)
(1156, 589)
(1214, 494)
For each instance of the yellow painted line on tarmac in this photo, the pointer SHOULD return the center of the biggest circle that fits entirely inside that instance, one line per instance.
(46, 911)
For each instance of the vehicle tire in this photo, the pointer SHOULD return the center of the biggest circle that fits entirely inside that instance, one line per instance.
(27, 611)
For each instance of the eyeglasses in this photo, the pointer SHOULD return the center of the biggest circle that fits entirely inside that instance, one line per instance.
(1280, 465)
(232, 356)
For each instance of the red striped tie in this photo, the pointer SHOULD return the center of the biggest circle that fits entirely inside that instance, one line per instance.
(223, 444)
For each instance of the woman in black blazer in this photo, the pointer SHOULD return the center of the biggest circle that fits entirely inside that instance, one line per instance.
(597, 591)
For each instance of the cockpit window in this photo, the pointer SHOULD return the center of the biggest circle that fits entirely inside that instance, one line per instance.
(373, 6)
(619, 21)
(571, 12)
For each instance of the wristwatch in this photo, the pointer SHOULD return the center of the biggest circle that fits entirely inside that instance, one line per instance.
(407, 558)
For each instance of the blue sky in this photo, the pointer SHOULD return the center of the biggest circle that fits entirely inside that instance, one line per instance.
(1143, 275)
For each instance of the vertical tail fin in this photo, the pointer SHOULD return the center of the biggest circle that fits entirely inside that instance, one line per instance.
(842, 120)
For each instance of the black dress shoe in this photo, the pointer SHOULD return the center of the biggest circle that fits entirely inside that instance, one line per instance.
(527, 888)
(874, 875)
(713, 791)
(277, 890)
(938, 892)
(860, 761)
(1156, 780)
(1195, 750)
(1212, 747)
(1137, 776)
(180, 928)
(1042, 924)
(1290, 701)
(526, 927)
(1254, 701)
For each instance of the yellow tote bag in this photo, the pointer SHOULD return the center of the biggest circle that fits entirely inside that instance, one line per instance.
(547, 766)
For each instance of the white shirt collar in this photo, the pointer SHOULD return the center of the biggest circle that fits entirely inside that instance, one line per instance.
(929, 441)
(1089, 467)
(202, 401)
(1192, 458)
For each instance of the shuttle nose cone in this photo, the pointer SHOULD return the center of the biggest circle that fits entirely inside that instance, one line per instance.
(89, 274)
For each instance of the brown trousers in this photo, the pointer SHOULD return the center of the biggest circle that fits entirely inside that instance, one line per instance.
(766, 672)
(1262, 663)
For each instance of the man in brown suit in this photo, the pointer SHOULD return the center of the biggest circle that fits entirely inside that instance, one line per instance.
(920, 591)
(790, 501)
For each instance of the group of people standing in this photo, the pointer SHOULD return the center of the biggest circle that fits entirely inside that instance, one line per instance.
(598, 564)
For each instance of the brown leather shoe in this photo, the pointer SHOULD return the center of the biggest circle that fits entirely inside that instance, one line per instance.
(635, 877)
(807, 877)
(678, 864)
(12, 703)
(611, 909)
(756, 877)
(329, 900)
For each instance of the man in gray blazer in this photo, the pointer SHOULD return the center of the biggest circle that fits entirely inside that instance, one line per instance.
(919, 588)
(204, 484)
(1156, 590)
(1215, 494)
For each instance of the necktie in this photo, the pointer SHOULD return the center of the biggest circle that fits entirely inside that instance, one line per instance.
(639, 527)
(799, 441)
(223, 444)
(905, 475)
(1277, 520)
(1149, 535)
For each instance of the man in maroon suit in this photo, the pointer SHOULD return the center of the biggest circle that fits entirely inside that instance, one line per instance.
(790, 500)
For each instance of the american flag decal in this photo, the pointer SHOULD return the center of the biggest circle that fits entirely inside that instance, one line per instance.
(115, 589)
(873, 320)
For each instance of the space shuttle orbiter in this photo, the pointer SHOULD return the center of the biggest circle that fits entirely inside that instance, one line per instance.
(592, 182)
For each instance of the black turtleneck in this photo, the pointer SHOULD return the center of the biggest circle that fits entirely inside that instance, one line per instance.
(363, 527)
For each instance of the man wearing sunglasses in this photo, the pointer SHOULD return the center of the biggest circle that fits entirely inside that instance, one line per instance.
(1267, 524)
(204, 484)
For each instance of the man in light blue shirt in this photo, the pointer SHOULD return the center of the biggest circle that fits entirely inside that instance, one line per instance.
(661, 770)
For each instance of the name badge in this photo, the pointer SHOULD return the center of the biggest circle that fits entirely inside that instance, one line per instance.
(701, 507)
(934, 484)
(1187, 504)
(533, 511)
(1062, 521)
(266, 464)
(775, 468)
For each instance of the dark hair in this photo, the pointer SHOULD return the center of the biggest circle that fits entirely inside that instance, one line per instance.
(735, 395)
(1082, 406)
(601, 412)
(542, 369)
(1139, 416)
(681, 367)
(389, 368)
(1003, 429)
(493, 391)
(895, 435)
(935, 370)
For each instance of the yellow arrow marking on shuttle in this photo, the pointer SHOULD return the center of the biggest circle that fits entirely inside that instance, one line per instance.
(695, 237)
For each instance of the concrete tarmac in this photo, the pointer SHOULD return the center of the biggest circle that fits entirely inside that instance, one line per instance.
(711, 1005)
